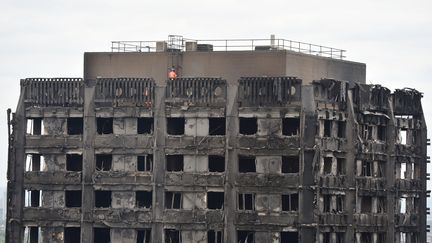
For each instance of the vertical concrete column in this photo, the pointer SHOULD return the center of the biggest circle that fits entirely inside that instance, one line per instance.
(422, 143)
(390, 175)
(351, 164)
(159, 163)
(89, 121)
(231, 161)
(306, 176)
(15, 174)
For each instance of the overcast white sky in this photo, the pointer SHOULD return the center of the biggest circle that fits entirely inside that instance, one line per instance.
(47, 38)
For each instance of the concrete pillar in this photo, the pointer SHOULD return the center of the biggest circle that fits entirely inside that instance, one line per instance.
(390, 175)
(350, 195)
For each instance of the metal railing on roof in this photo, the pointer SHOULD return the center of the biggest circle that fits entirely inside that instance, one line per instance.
(230, 45)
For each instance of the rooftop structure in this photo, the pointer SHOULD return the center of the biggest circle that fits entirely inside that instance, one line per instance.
(263, 145)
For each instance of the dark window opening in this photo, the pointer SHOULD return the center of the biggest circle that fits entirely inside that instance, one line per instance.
(246, 201)
(215, 200)
(175, 125)
(143, 199)
(73, 199)
(341, 129)
(145, 162)
(35, 196)
(326, 203)
(244, 236)
(103, 199)
(328, 161)
(382, 205)
(340, 166)
(104, 125)
(103, 162)
(214, 236)
(382, 133)
(174, 162)
(340, 203)
(366, 204)
(173, 200)
(216, 163)
(246, 164)
(74, 162)
(290, 164)
(34, 126)
(367, 132)
(34, 162)
(145, 125)
(290, 202)
(143, 236)
(289, 237)
(326, 237)
(340, 238)
(34, 234)
(102, 235)
(75, 126)
(367, 168)
(172, 236)
(290, 126)
(248, 126)
(327, 128)
(366, 237)
(382, 238)
(72, 235)
(217, 126)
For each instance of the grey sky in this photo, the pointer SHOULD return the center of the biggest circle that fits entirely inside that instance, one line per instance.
(47, 38)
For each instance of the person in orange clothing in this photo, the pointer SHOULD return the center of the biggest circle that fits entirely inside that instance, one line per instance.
(172, 74)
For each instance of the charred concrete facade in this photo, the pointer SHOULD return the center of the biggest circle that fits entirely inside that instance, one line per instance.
(254, 156)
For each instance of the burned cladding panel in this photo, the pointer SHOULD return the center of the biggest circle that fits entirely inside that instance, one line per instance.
(264, 160)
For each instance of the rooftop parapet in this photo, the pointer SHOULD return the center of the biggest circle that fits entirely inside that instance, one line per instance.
(125, 91)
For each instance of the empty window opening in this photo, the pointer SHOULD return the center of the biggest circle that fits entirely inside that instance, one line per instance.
(381, 204)
(340, 164)
(402, 205)
(367, 168)
(103, 162)
(173, 200)
(326, 237)
(214, 236)
(366, 204)
(217, 126)
(143, 236)
(145, 125)
(367, 132)
(143, 199)
(75, 126)
(175, 125)
(382, 237)
(290, 126)
(290, 202)
(172, 236)
(340, 203)
(407, 171)
(341, 129)
(244, 236)
(246, 201)
(248, 126)
(35, 162)
(328, 161)
(290, 164)
(73, 199)
(102, 199)
(74, 162)
(289, 237)
(326, 203)
(340, 237)
(72, 234)
(34, 198)
(102, 235)
(403, 136)
(32, 234)
(246, 164)
(366, 237)
(216, 163)
(327, 128)
(34, 126)
(145, 162)
(215, 200)
(381, 133)
(104, 125)
(174, 162)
